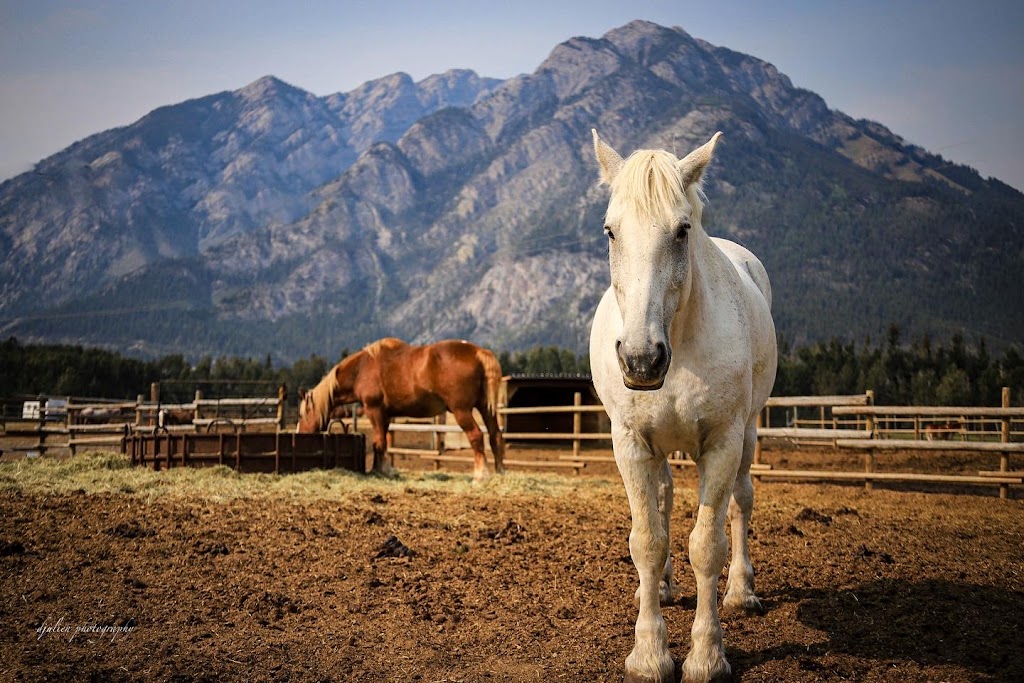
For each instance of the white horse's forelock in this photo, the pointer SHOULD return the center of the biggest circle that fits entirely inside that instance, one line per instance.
(649, 181)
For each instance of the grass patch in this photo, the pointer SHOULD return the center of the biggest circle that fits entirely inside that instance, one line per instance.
(97, 473)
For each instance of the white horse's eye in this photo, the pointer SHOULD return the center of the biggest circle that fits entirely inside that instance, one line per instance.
(608, 231)
(682, 229)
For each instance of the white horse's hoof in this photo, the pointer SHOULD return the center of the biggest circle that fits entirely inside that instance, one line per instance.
(639, 678)
(662, 671)
(715, 670)
(742, 604)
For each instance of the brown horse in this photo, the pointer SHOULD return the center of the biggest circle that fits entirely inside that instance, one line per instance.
(391, 378)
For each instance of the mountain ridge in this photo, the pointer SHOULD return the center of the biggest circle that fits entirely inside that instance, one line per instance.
(467, 207)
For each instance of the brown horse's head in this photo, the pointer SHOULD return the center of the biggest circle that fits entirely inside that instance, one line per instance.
(336, 387)
(309, 420)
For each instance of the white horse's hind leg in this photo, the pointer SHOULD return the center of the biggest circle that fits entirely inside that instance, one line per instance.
(709, 548)
(650, 661)
(739, 592)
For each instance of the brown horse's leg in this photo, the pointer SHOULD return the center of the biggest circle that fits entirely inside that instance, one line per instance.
(380, 424)
(476, 441)
(495, 437)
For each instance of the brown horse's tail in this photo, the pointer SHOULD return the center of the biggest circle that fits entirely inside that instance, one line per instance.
(492, 378)
(492, 387)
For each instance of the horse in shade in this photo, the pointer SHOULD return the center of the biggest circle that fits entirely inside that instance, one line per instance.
(391, 379)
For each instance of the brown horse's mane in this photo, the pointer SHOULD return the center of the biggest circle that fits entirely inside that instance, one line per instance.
(386, 344)
(321, 397)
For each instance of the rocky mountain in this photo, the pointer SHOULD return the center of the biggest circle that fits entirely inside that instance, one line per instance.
(268, 220)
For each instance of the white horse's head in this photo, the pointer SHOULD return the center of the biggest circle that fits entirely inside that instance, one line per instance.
(652, 223)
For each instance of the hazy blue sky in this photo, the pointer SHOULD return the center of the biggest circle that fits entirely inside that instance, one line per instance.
(947, 75)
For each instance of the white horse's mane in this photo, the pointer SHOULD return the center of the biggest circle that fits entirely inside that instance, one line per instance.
(650, 180)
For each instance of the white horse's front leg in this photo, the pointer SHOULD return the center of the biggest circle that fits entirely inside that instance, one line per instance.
(739, 592)
(667, 588)
(650, 661)
(709, 549)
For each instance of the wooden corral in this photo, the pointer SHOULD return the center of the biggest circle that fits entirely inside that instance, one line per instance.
(94, 423)
(554, 413)
(871, 430)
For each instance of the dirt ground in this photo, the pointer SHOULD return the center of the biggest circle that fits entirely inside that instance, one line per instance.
(123, 576)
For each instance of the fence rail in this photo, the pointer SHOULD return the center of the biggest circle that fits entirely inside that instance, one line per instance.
(970, 423)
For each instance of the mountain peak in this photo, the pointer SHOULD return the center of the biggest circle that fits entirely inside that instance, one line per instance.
(268, 86)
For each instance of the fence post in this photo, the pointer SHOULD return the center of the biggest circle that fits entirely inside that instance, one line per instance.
(436, 442)
(502, 403)
(869, 455)
(42, 426)
(282, 394)
(197, 413)
(1004, 437)
(139, 400)
(757, 442)
(577, 423)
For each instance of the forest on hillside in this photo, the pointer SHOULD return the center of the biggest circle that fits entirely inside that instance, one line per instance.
(917, 373)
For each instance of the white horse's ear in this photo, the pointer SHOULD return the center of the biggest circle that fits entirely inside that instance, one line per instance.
(691, 167)
(607, 158)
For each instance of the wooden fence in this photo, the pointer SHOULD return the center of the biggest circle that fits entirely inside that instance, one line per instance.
(106, 424)
(842, 423)
(890, 429)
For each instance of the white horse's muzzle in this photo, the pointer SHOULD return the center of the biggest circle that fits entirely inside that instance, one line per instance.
(644, 366)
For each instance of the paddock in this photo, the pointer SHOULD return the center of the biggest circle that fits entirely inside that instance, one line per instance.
(210, 573)
(206, 574)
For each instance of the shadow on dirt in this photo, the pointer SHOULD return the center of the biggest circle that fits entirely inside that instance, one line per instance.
(931, 623)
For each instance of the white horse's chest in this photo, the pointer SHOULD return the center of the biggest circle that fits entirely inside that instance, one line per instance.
(679, 419)
(706, 390)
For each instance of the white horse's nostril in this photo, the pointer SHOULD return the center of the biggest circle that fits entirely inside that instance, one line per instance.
(661, 353)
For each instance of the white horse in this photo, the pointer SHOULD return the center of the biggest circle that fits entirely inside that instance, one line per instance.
(683, 356)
